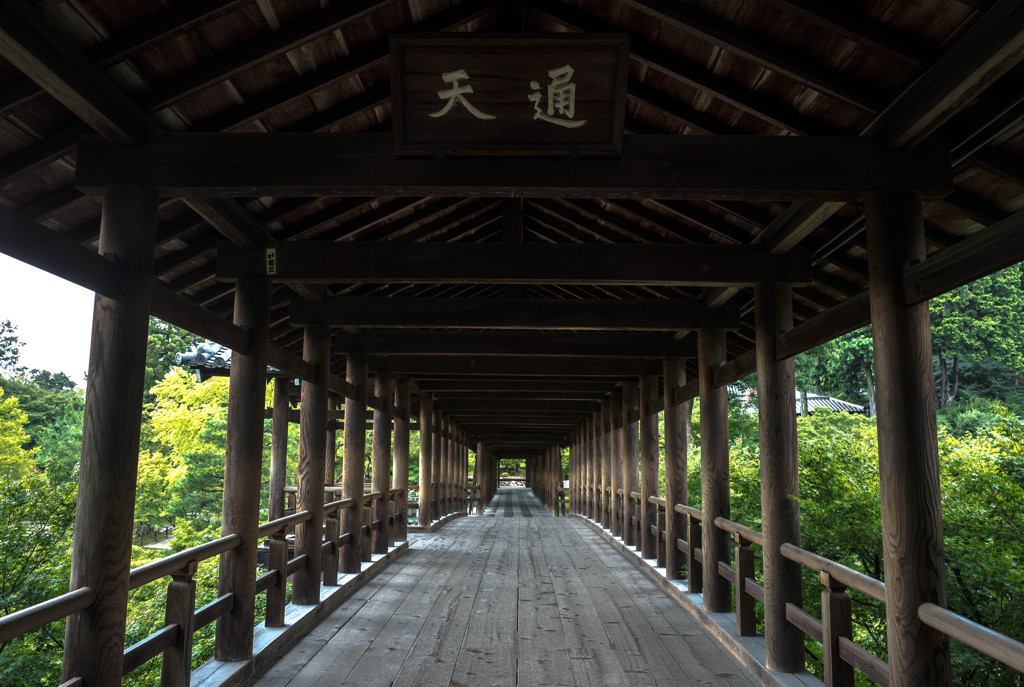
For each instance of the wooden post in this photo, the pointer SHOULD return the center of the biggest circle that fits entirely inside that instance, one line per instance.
(836, 622)
(401, 457)
(330, 447)
(316, 349)
(908, 467)
(615, 466)
(780, 488)
(597, 449)
(649, 454)
(176, 666)
(745, 620)
(384, 388)
(240, 513)
(332, 530)
(101, 556)
(480, 477)
(277, 559)
(630, 456)
(437, 456)
(279, 447)
(443, 468)
(675, 468)
(354, 459)
(424, 513)
(714, 464)
(606, 462)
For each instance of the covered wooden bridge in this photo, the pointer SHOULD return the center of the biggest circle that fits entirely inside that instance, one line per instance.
(513, 227)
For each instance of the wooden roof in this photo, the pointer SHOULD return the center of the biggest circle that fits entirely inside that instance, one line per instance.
(911, 76)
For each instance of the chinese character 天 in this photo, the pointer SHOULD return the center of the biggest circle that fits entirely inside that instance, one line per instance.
(561, 99)
(457, 94)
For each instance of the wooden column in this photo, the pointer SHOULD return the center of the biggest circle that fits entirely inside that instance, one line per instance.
(606, 462)
(649, 455)
(354, 459)
(424, 513)
(780, 509)
(400, 469)
(675, 465)
(331, 447)
(445, 473)
(480, 476)
(279, 447)
(907, 446)
(384, 388)
(630, 462)
(437, 456)
(316, 349)
(615, 466)
(240, 512)
(101, 554)
(714, 468)
(596, 445)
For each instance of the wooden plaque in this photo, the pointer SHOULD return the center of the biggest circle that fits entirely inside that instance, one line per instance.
(466, 94)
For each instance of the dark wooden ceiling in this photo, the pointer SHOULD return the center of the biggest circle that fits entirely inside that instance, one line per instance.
(903, 72)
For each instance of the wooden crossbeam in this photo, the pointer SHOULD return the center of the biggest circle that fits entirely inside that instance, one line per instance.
(493, 263)
(281, 164)
(611, 344)
(507, 406)
(522, 314)
(436, 386)
(523, 366)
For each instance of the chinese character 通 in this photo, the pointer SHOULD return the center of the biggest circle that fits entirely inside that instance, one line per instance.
(561, 99)
(457, 94)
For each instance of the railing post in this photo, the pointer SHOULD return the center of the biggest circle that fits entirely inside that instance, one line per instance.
(176, 667)
(662, 544)
(240, 513)
(745, 622)
(101, 557)
(332, 530)
(277, 561)
(694, 568)
(836, 622)
(908, 462)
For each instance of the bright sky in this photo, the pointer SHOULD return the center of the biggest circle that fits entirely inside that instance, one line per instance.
(53, 318)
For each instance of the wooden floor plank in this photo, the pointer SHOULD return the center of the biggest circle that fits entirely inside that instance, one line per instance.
(514, 598)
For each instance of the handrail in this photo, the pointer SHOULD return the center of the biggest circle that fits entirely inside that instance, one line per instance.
(751, 535)
(840, 573)
(34, 617)
(683, 509)
(657, 501)
(636, 495)
(989, 642)
(275, 526)
(340, 504)
(177, 562)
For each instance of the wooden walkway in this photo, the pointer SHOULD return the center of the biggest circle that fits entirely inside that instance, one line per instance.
(514, 597)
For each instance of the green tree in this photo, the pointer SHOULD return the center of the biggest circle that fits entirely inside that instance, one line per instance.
(164, 341)
(16, 459)
(10, 349)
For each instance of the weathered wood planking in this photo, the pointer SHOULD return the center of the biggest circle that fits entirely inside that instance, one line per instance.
(505, 601)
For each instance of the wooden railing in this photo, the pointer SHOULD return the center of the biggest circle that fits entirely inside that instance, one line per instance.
(841, 655)
(174, 640)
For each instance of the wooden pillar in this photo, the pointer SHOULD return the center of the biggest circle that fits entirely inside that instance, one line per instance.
(437, 456)
(675, 465)
(649, 455)
(908, 467)
(425, 514)
(780, 509)
(630, 462)
(615, 465)
(400, 469)
(714, 468)
(480, 477)
(596, 446)
(354, 460)
(384, 388)
(443, 468)
(279, 447)
(240, 512)
(606, 462)
(101, 555)
(316, 349)
(331, 446)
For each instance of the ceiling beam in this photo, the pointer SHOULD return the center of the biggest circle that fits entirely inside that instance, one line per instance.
(508, 406)
(490, 313)
(524, 366)
(504, 263)
(611, 344)
(747, 167)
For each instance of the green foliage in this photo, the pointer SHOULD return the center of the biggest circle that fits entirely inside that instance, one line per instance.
(164, 341)
(16, 460)
(10, 349)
